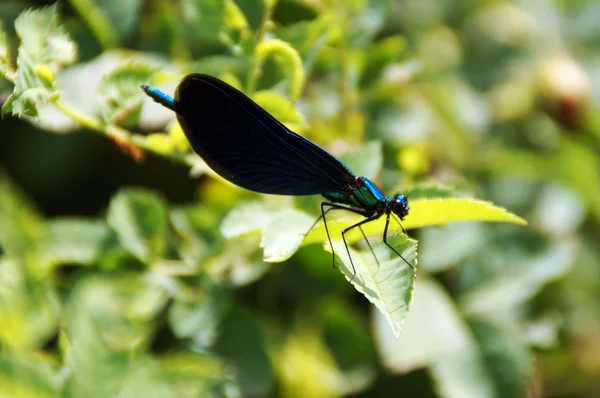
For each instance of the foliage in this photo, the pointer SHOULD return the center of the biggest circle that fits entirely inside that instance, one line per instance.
(146, 295)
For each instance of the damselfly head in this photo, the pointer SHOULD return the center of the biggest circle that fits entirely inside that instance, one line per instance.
(399, 206)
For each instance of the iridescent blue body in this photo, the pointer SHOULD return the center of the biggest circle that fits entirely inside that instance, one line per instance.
(244, 144)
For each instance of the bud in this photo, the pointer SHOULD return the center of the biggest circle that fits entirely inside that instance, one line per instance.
(565, 91)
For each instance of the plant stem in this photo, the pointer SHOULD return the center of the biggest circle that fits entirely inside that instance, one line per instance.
(119, 134)
(259, 37)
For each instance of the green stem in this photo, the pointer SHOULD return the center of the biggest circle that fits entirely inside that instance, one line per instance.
(98, 23)
(255, 66)
(118, 133)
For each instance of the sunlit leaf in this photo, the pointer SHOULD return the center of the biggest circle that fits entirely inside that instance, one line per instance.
(139, 218)
(246, 218)
(284, 233)
(383, 277)
(305, 357)
(5, 61)
(29, 309)
(426, 213)
(21, 225)
(45, 48)
(27, 376)
(280, 107)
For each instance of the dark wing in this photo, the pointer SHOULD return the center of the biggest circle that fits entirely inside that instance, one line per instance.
(245, 145)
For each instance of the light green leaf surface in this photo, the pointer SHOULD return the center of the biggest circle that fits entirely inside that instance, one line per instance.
(365, 161)
(139, 218)
(279, 107)
(27, 376)
(435, 336)
(284, 233)
(246, 218)
(75, 241)
(389, 285)
(21, 225)
(29, 309)
(45, 48)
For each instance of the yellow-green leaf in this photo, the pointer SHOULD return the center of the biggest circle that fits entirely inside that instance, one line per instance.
(280, 107)
(426, 213)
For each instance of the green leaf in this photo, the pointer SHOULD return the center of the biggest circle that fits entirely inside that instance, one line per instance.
(380, 55)
(109, 323)
(246, 352)
(27, 376)
(234, 17)
(45, 48)
(6, 68)
(447, 348)
(309, 37)
(280, 107)
(29, 309)
(511, 289)
(445, 247)
(75, 241)
(196, 226)
(194, 374)
(22, 226)
(288, 58)
(284, 233)
(120, 95)
(123, 16)
(346, 334)
(365, 161)
(247, 217)
(506, 358)
(425, 213)
(198, 316)
(239, 263)
(389, 285)
(205, 18)
(139, 218)
(428, 212)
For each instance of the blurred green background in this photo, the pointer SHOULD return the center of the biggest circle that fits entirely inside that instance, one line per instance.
(121, 274)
